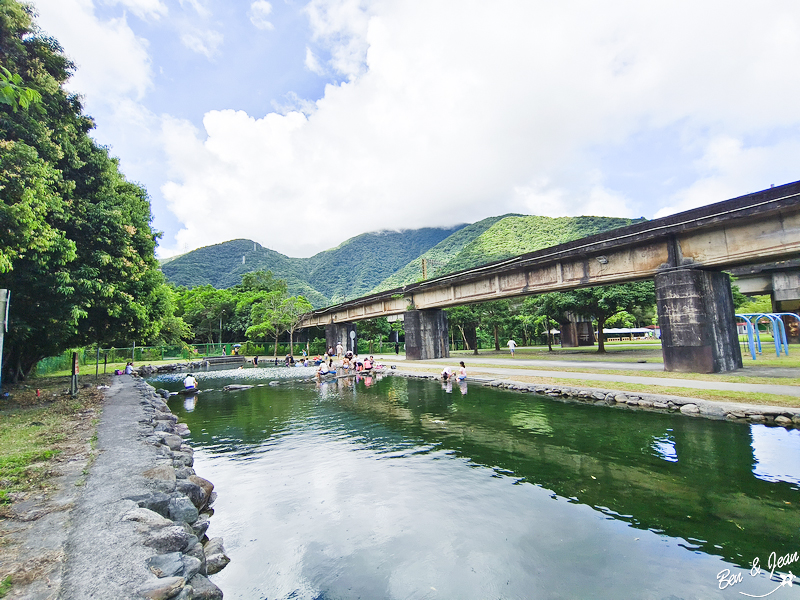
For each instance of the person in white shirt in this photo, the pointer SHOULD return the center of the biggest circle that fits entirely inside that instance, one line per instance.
(511, 346)
(447, 373)
(190, 383)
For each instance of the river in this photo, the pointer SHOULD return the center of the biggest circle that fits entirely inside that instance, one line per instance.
(404, 488)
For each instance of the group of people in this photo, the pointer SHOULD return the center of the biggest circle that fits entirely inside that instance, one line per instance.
(349, 361)
(447, 373)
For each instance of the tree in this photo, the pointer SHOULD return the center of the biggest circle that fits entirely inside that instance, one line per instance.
(293, 309)
(77, 248)
(466, 319)
(605, 301)
(268, 319)
(13, 93)
(374, 330)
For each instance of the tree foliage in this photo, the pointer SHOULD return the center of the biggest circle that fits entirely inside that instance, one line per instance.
(76, 245)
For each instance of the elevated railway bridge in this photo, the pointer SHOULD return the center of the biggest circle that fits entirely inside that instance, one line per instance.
(686, 254)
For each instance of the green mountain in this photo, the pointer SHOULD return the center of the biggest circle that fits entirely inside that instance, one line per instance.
(383, 260)
(350, 270)
(439, 256)
(515, 235)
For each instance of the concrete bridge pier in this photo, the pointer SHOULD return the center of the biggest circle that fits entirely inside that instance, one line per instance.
(696, 316)
(344, 333)
(426, 334)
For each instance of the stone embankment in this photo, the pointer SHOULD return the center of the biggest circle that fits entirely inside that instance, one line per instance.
(731, 411)
(140, 529)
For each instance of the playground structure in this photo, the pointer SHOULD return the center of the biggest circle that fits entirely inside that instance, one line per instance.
(778, 331)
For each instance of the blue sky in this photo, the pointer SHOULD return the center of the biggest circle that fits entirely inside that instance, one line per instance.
(299, 124)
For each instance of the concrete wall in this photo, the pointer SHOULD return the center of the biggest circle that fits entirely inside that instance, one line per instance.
(341, 332)
(696, 316)
(426, 334)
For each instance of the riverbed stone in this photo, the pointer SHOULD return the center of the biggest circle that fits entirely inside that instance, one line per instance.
(182, 509)
(168, 539)
(784, 421)
(163, 393)
(690, 409)
(756, 418)
(163, 589)
(204, 589)
(182, 429)
(166, 565)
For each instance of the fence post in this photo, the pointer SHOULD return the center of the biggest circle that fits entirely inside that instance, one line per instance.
(73, 386)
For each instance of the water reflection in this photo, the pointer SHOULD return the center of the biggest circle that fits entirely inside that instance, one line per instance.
(389, 489)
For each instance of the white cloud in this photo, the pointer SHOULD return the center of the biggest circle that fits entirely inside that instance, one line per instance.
(452, 112)
(312, 62)
(203, 42)
(259, 11)
(198, 7)
(144, 9)
(112, 61)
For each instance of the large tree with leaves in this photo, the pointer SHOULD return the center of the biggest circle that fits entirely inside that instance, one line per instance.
(77, 245)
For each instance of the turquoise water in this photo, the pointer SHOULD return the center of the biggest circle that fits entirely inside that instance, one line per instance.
(398, 488)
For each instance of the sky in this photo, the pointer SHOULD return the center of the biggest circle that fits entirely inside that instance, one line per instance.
(299, 124)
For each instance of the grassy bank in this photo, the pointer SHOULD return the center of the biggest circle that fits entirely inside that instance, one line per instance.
(35, 430)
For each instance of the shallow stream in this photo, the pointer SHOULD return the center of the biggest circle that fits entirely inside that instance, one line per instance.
(403, 488)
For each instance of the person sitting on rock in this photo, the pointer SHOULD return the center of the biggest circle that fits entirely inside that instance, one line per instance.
(190, 383)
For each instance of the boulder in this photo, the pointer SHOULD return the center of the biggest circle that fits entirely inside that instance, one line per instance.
(690, 409)
(157, 502)
(163, 589)
(162, 473)
(182, 509)
(166, 565)
(204, 589)
(191, 566)
(216, 559)
(146, 517)
(205, 485)
(168, 539)
(184, 472)
(173, 441)
(196, 551)
(192, 491)
(781, 420)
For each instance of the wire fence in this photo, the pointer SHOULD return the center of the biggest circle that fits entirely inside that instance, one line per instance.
(103, 357)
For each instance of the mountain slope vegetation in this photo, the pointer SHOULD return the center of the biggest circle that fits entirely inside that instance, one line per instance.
(350, 270)
(515, 235)
(383, 260)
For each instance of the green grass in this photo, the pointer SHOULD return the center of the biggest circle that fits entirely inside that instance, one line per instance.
(5, 586)
(27, 440)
